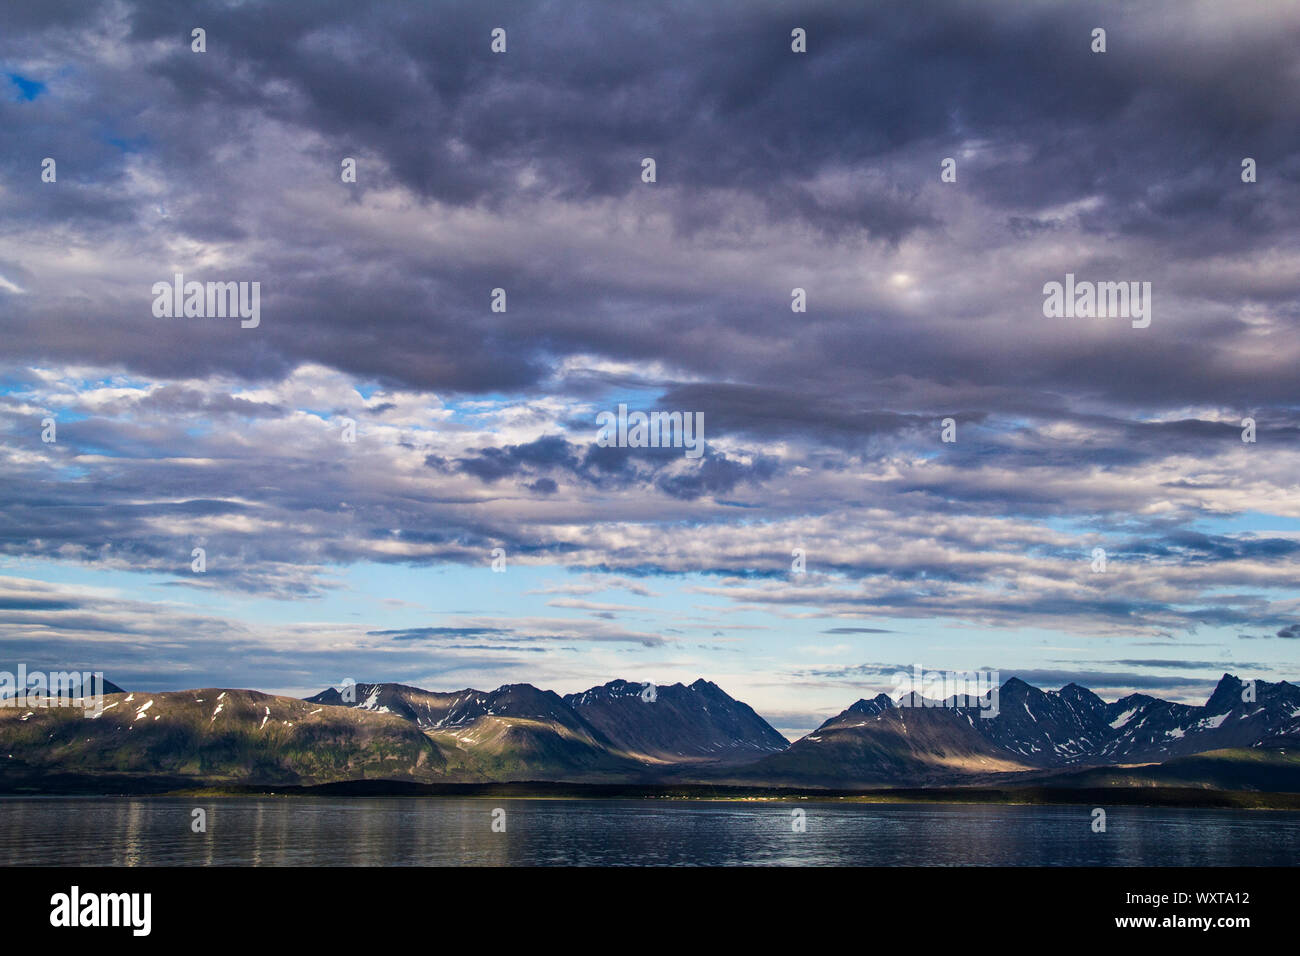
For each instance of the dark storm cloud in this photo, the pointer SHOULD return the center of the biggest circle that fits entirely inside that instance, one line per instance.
(176, 398)
(610, 466)
(1150, 133)
(716, 475)
(1193, 546)
(771, 412)
(492, 464)
(880, 79)
(427, 633)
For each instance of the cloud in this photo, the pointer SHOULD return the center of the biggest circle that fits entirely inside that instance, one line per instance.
(426, 633)
(475, 428)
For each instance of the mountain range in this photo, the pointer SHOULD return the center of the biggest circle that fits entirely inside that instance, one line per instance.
(1243, 737)
(927, 742)
(520, 732)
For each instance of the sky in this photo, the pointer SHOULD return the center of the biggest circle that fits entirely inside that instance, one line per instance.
(475, 429)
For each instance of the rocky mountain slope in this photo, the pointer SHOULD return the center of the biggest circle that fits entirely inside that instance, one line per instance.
(676, 723)
(214, 735)
(931, 742)
(1244, 737)
(610, 729)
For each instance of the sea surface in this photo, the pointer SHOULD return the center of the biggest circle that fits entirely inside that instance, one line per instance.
(407, 831)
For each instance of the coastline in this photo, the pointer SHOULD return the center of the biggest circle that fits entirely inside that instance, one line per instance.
(1167, 797)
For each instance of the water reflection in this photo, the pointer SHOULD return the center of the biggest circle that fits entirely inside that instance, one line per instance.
(283, 831)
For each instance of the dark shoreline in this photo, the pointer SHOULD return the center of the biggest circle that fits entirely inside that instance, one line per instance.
(1189, 797)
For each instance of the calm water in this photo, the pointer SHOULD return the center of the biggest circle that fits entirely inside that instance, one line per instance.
(279, 831)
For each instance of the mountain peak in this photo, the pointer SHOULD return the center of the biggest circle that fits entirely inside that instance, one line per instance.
(1015, 685)
(1227, 694)
(876, 705)
(697, 722)
(1077, 693)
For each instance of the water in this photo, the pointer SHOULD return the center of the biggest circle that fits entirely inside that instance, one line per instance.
(289, 831)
